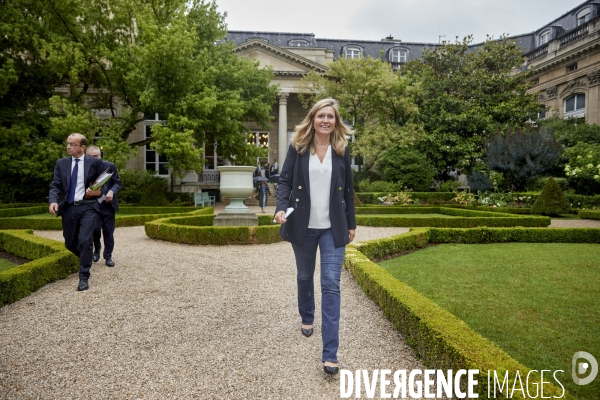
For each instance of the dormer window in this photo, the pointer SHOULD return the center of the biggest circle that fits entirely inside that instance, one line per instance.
(398, 55)
(544, 37)
(257, 38)
(583, 16)
(298, 43)
(352, 52)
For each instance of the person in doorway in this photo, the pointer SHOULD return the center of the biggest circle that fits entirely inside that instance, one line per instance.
(316, 181)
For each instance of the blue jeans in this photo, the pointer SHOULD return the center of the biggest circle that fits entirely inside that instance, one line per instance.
(331, 270)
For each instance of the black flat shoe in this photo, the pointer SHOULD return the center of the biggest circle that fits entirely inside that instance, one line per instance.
(307, 332)
(330, 370)
(110, 262)
(96, 257)
(83, 285)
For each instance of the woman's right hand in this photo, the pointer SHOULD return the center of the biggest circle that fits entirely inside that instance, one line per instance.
(280, 217)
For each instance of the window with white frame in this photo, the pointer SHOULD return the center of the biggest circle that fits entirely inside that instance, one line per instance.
(544, 37)
(352, 52)
(583, 16)
(398, 55)
(575, 105)
(298, 43)
(259, 139)
(153, 162)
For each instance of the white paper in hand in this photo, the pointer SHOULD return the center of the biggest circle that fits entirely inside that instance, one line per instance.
(287, 213)
(101, 199)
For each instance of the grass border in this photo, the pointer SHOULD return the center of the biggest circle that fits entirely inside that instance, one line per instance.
(440, 339)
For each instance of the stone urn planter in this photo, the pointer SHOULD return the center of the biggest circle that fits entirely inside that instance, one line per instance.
(236, 185)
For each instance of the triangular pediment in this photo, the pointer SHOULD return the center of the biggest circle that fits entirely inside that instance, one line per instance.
(283, 61)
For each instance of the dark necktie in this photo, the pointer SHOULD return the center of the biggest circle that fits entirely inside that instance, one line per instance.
(73, 183)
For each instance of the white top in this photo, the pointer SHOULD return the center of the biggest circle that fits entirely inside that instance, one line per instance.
(320, 186)
(80, 188)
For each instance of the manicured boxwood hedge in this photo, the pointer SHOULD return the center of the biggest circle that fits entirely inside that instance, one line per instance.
(439, 338)
(20, 205)
(589, 214)
(467, 218)
(50, 262)
(120, 221)
(199, 230)
(20, 211)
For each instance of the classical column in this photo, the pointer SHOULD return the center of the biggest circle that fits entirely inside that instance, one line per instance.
(283, 136)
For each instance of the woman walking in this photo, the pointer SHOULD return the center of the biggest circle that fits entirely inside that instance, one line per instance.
(316, 181)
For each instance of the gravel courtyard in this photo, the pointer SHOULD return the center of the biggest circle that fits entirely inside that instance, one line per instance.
(186, 322)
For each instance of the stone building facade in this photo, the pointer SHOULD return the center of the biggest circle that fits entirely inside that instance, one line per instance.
(563, 55)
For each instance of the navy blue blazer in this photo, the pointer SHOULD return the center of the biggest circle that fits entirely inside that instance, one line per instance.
(59, 187)
(113, 184)
(294, 191)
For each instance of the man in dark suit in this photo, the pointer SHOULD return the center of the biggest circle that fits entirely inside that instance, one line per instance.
(72, 198)
(108, 207)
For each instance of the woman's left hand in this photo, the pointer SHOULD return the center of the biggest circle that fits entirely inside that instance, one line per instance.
(351, 234)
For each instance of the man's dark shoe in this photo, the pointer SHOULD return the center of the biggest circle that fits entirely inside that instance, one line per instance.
(96, 257)
(83, 285)
(110, 262)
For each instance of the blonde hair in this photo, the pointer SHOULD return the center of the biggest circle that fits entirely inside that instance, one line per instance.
(304, 133)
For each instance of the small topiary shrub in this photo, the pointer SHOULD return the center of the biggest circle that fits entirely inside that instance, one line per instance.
(551, 201)
(154, 196)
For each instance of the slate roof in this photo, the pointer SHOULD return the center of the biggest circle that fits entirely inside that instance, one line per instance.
(380, 48)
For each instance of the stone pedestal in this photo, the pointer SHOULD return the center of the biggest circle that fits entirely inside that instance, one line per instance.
(229, 219)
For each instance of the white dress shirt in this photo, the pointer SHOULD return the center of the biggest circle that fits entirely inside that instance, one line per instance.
(80, 188)
(320, 186)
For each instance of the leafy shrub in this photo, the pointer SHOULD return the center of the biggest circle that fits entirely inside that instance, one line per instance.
(360, 176)
(551, 201)
(381, 186)
(400, 198)
(409, 168)
(449, 186)
(154, 196)
(583, 168)
(464, 198)
(478, 181)
(134, 183)
(522, 155)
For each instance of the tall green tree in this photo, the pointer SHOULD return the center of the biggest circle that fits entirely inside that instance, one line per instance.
(467, 95)
(132, 58)
(377, 102)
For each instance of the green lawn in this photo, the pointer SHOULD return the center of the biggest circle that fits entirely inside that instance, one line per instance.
(5, 264)
(540, 302)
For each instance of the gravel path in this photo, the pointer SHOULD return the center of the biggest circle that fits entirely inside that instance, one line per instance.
(186, 322)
